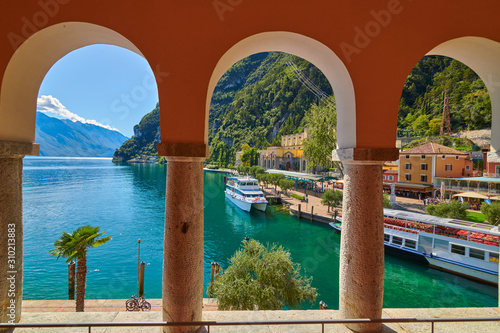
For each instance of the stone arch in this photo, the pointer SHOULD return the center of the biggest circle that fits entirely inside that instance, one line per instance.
(313, 51)
(482, 56)
(31, 62)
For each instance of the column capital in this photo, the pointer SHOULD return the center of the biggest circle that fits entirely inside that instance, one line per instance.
(182, 150)
(365, 155)
(14, 149)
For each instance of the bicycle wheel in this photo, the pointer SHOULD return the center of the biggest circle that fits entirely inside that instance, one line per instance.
(131, 304)
(146, 306)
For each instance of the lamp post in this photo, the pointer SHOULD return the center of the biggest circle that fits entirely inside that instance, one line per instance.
(138, 265)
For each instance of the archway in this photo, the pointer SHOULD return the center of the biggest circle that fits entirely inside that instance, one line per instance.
(18, 100)
(31, 62)
(481, 55)
(311, 50)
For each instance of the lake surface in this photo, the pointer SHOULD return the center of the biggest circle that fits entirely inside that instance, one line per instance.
(127, 202)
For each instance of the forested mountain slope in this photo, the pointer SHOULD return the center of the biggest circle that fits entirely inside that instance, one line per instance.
(259, 99)
(421, 104)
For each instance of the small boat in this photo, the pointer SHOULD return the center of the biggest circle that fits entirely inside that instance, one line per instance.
(245, 193)
(464, 248)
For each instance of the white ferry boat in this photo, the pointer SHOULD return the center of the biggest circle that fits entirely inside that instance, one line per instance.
(245, 193)
(464, 248)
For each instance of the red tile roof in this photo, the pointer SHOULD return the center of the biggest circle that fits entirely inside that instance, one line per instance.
(432, 148)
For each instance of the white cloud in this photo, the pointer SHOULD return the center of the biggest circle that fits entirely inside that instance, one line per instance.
(52, 107)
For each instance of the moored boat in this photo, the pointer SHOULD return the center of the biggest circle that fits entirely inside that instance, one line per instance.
(464, 248)
(245, 193)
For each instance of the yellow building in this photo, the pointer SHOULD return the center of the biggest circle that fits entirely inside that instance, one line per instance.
(421, 164)
(288, 156)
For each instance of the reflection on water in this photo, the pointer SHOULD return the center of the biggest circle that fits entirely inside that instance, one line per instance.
(127, 202)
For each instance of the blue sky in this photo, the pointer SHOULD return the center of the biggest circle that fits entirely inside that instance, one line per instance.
(101, 84)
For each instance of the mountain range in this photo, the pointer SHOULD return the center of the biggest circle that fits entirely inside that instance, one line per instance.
(65, 138)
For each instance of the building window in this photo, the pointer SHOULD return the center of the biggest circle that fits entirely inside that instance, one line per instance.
(423, 178)
(407, 176)
(423, 166)
(423, 157)
(391, 177)
(447, 167)
(387, 238)
(493, 257)
(457, 157)
(467, 167)
(408, 166)
(383, 177)
(443, 157)
(407, 157)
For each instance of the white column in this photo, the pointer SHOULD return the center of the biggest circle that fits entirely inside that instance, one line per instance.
(11, 228)
(183, 243)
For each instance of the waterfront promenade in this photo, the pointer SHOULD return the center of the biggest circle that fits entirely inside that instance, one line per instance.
(320, 211)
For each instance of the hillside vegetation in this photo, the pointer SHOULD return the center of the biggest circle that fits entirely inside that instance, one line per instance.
(143, 142)
(260, 99)
(421, 105)
(463, 144)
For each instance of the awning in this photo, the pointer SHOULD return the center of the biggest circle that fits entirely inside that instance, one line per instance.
(410, 187)
(471, 195)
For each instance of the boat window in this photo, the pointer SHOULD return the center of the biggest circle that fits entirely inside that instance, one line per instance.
(475, 253)
(425, 244)
(493, 257)
(397, 240)
(441, 244)
(458, 249)
(387, 238)
(410, 243)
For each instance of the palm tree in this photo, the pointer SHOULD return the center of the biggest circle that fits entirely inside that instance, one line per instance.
(74, 247)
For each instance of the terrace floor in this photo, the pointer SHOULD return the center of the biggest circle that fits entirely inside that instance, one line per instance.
(114, 311)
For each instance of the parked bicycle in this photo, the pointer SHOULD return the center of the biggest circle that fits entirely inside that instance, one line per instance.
(137, 303)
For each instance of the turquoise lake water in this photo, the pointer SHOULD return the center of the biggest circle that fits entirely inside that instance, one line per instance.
(127, 202)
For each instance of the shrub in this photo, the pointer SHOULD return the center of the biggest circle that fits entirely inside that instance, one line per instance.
(262, 278)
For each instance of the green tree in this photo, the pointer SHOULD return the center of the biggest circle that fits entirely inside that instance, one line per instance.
(453, 210)
(274, 179)
(332, 198)
(491, 212)
(421, 125)
(387, 201)
(321, 135)
(285, 184)
(262, 278)
(255, 170)
(74, 247)
(434, 127)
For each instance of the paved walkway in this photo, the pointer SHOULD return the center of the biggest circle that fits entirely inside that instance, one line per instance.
(97, 305)
(225, 316)
(402, 203)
